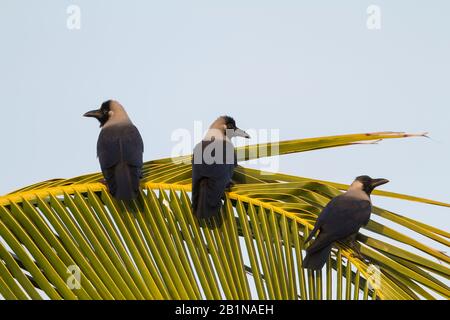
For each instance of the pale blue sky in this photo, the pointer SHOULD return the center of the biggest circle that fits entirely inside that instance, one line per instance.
(307, 69)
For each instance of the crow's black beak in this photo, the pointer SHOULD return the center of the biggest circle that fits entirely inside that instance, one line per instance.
(241, 133)
(378, 182)
(93, 114)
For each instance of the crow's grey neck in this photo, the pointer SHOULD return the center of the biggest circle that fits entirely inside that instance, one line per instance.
(216, 132)
(116, 120)
(356, 191)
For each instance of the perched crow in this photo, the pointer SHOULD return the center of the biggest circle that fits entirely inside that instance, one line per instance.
(119, 149)
(341, 220)
(213, 165)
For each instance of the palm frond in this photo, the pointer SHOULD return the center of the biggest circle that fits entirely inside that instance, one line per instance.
(159, 250)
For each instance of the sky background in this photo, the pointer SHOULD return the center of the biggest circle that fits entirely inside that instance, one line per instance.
(306, 68)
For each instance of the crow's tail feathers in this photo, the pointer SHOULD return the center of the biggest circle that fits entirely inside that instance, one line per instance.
(206, 207)
(317, 260)
(126, 182)
(312, 233)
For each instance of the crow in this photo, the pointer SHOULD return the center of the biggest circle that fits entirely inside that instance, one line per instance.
(213, 165)
(341, 220)
(119, 149)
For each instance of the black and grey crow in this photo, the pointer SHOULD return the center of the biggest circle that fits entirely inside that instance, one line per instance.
(341, 220)
(119, 150)
(213, 165)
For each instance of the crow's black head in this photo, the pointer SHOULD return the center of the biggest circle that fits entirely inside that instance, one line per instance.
(232, 130)
(229, 122)
(369, 184)
(102, 114)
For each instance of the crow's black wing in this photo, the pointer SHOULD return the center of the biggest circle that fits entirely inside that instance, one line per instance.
(341, 218)
(212, 172)
(120, 150)
(120, 144)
